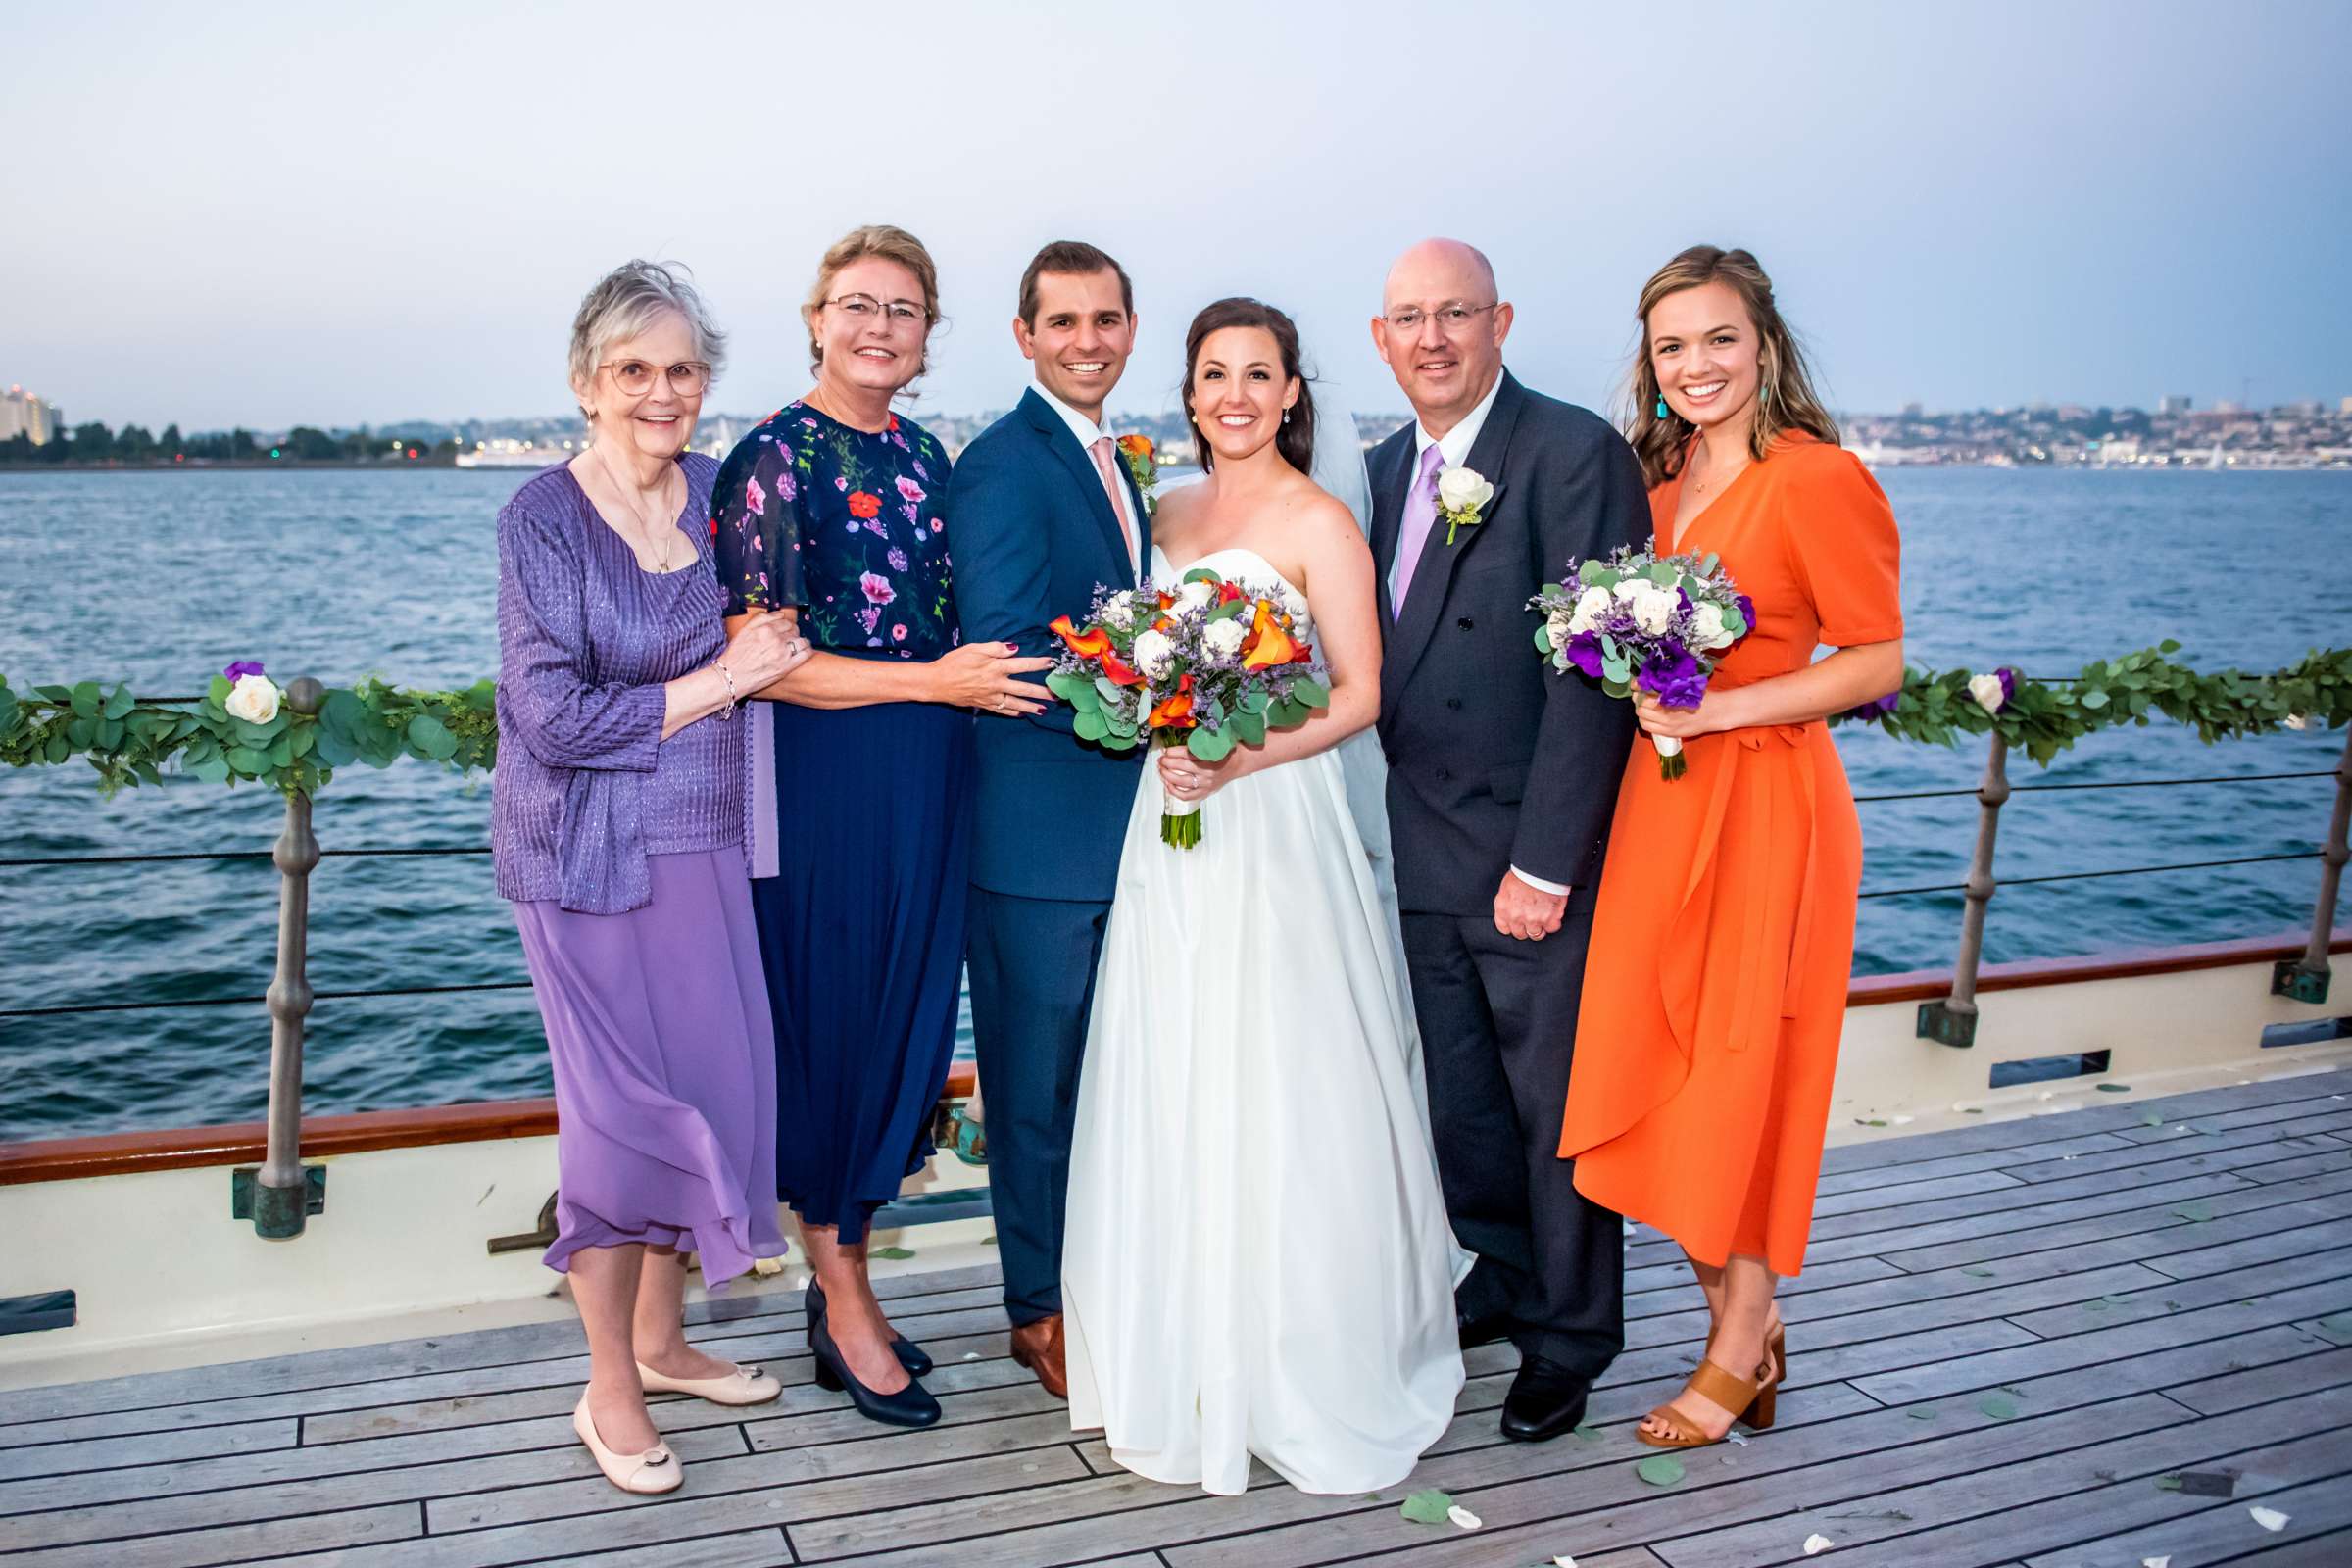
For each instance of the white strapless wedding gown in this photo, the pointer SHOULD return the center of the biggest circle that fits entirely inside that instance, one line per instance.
(1257, 1259)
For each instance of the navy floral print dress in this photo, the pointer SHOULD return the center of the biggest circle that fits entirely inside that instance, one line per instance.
(844, 522)
(861, 816)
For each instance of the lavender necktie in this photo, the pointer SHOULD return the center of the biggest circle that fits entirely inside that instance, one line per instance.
(1420, 516)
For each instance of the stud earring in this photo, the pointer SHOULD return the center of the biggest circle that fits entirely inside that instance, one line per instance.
(1662, 409)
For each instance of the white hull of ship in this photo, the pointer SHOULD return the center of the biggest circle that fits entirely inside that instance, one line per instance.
(164, 1277)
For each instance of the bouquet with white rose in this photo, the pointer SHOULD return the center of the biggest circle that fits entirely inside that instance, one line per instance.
(1645, 622)
(1204, 665)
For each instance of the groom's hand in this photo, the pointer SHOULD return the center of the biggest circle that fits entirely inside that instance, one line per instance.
(1526, 912)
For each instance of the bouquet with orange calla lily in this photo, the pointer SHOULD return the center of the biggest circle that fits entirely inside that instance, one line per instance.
(1206, 665)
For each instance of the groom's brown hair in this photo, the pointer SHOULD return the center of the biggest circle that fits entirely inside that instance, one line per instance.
(1072, 257)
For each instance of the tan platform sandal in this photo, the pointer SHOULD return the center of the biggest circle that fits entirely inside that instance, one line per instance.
(1752, 1402)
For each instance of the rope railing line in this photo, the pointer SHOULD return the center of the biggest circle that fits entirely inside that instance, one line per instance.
(484, 849)
(230, 854)
(2098, 784)
(2089, 876)
(236, 1001)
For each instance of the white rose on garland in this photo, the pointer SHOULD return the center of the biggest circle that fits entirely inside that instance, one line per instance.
(1990, 692)
(253, 699)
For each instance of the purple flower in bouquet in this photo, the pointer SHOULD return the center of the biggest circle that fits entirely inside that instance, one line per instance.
(1674, 678)
(243, 668)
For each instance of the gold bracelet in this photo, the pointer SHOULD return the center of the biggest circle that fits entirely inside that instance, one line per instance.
(728, 676)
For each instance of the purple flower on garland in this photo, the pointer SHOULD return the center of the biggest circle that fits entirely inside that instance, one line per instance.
(1876, 708)
(242, 669)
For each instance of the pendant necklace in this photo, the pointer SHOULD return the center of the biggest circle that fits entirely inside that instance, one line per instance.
(645, 530)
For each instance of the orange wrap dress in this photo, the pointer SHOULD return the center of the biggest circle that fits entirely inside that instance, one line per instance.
(1723, 938)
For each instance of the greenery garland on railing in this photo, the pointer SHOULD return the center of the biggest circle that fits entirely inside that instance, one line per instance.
(243, 729)
(2046, 718)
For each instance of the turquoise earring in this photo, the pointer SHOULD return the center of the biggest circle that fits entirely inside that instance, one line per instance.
(1662, 406)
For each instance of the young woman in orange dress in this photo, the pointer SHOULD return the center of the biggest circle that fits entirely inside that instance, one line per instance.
(1722, 943)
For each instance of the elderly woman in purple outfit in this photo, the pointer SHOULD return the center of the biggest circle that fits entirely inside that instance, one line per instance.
(617, 831)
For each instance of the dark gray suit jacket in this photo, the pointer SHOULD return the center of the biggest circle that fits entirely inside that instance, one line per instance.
(1495, 760)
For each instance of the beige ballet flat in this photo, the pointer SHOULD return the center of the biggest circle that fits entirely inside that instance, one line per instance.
(746, 1385)
(655, 1470)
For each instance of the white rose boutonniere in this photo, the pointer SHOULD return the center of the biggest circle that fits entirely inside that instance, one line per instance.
(253, 699)
(1460, 493)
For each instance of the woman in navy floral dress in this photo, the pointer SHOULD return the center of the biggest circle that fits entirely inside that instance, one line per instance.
(860, 782)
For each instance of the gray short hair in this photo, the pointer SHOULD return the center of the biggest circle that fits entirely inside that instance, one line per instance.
(626, 301)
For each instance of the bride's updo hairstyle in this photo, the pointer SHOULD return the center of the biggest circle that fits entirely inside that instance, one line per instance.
(1295, 440)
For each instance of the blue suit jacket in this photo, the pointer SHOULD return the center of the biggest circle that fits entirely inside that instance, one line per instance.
(1032, 536)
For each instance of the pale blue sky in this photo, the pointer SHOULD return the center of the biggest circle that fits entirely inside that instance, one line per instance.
(264, 214)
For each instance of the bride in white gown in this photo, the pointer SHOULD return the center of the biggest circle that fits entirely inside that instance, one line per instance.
(1256, 1259)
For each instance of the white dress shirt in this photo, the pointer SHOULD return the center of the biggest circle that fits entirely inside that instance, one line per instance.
(1088, 434)
(1454, 450)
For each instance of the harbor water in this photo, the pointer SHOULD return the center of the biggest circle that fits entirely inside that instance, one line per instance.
(161, 579)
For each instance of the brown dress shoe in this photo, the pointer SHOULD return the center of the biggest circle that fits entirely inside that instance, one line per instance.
(1038, 1347)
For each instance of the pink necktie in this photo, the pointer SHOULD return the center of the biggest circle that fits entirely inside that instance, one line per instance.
(1112, 488)
(1420, 516)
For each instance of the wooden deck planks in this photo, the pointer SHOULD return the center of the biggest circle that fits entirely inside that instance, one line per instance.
(2008, 1333)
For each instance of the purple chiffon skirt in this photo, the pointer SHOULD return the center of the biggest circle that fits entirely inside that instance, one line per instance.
(664, 1060)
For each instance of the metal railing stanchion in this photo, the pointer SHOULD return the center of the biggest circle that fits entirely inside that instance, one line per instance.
(284, 1193)
(1953, 1020)
(2305, 979)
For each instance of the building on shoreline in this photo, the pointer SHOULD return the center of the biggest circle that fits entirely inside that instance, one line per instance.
(24, 415)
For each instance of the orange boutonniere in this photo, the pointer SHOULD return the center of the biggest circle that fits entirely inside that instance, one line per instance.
(1139, 454)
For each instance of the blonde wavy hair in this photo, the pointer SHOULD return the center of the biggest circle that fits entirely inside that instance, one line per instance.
(1785, 397)
(891, 244)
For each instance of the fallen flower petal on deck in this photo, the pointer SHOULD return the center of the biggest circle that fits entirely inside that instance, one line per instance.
(2269, 1518)
(1464, 1517)
(1818, 1544)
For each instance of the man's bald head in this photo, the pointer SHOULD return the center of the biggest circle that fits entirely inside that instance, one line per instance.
(1441, 328)
(1438, 261)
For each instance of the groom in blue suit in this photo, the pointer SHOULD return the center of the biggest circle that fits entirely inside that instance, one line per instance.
(1041, 513)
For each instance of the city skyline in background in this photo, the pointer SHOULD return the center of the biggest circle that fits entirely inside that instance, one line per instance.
(290, 217)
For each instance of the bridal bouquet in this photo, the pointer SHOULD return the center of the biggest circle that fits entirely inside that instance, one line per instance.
(1202, 666)
(1641, 619)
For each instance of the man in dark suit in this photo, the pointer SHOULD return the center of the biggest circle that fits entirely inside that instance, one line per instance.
(1503, 776)
(1041, 513)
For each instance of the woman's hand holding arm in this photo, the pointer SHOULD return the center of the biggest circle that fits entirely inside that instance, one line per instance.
(767, 648)
(983, 675)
